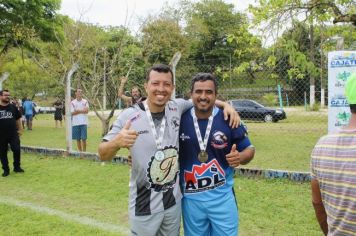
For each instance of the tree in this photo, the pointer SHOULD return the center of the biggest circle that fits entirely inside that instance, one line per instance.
(22, 20)
(161, 38)
(282, 11)
(103, 54)
(209, 22)
(277, 15)
(26, 77)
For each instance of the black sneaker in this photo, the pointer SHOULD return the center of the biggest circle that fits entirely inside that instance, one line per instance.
(18, 170)
(6, 173)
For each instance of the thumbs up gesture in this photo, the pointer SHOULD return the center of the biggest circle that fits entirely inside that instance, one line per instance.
(127, 137)
(233, 158)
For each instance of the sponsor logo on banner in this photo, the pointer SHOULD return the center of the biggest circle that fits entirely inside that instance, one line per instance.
(341, 79)
(346, 60)
(338, 101)
(342, 119)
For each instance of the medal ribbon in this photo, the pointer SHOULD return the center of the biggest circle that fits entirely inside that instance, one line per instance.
(158, 138)
(202, 144)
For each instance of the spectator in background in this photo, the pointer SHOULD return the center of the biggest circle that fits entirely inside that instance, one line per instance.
(23, 118)
(58, 105)
(333, 172)
(28, 108)
(209, 150)
(79, 108)
(136, 94)
(10, 130)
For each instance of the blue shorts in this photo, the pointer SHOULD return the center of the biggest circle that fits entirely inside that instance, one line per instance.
(216, 217)
(29, 117)
(79, 132)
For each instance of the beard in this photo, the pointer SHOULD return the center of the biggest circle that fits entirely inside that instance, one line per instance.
(5, 100)
(136, 97)
(203, 110)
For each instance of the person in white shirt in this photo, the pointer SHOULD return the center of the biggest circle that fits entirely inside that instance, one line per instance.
(79, 109)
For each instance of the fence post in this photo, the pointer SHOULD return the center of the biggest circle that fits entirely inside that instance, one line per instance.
(322, 98)
(280, 96)
(287, 100)
(305, 101)
(173, 63)
(68, 113)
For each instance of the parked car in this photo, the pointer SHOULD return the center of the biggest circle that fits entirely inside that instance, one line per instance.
(252, 110)
(43, 110)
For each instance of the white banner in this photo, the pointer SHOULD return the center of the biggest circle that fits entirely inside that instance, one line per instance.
(341, 64)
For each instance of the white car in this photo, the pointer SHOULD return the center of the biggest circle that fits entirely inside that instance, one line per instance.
(44, 110)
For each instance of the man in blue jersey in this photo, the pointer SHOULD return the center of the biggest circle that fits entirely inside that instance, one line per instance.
(209, 149)
(28, 109)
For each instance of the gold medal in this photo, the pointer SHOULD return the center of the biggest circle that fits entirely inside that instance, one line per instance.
(203, 156)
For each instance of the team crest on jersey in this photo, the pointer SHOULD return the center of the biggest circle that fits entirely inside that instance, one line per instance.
(204, 177)
(219, 140)
(175, 123)
(163, 169)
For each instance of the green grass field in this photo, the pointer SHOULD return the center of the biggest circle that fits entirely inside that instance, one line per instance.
(284, 145)
(79, 188)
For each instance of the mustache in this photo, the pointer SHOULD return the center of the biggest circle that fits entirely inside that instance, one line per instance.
(203, 100)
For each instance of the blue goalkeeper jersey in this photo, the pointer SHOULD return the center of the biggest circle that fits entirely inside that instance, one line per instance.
(207, 181)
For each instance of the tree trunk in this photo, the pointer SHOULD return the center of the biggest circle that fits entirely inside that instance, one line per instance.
(105, 126)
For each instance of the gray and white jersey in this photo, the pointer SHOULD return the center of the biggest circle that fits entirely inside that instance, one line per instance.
(154, 182)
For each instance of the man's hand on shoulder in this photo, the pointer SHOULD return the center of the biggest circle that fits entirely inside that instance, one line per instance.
(229, 111)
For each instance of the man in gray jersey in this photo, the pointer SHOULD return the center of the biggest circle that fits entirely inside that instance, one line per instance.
(150, 130)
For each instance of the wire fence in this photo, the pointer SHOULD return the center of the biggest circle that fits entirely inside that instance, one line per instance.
(276, 109)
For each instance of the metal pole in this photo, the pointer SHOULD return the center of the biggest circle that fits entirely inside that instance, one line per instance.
(174, 82)
(322, 91)
(104, 87)
(173, 63)
(230, 72)
(280, 96)
(3, 78)
(68, 113)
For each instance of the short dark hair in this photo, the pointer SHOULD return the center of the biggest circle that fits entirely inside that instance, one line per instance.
(160, 68)
(2, 91)
(353, 108)
(204, 77)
